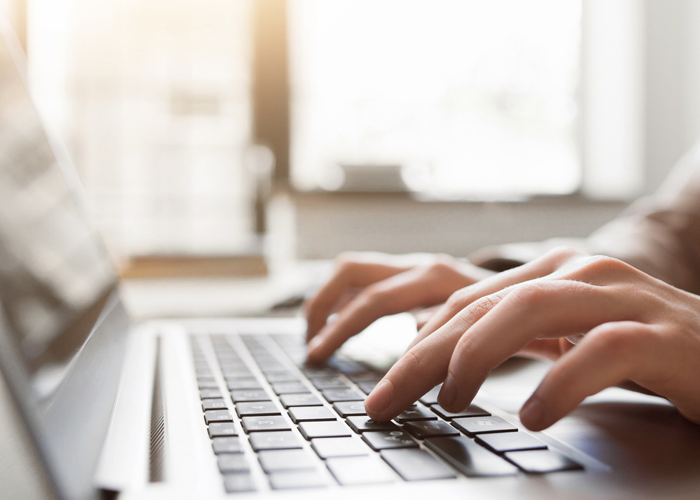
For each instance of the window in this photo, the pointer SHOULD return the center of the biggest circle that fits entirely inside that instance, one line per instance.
(153, 100)
(469, 98)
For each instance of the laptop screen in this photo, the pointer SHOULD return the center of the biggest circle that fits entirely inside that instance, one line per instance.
(54, 273)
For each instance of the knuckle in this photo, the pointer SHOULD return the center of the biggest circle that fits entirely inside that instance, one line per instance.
(345, 259)
(444, 261)
(459, 300)
(602, 264)
(530, 294)
(373, 296)
(477, 309)
(613, 339)
(562, 253)
(441, 265)
(414, 359)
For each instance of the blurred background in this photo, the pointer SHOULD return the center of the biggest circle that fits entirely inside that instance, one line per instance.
(390, 125)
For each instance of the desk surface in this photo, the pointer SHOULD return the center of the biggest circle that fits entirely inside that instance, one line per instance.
(220, 297)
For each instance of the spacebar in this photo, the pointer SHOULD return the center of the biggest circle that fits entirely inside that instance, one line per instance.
(470, 458)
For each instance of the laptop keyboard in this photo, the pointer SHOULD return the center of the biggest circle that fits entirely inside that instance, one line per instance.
(292, 421)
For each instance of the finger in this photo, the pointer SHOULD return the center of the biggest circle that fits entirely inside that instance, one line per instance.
(423, 316)
(538, 268)
(425, 365)
(349, 275)
(550, 349)
(609, 355)
(537, 309)
(421, 286)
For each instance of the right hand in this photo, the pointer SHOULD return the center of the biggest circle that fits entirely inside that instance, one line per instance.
(366, 286)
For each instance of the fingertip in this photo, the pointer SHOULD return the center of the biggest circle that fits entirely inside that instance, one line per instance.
(448, 394)
(533, 415)
(316, 351)
(379, 399)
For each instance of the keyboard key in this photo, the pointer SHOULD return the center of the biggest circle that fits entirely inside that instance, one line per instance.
(207, 383)
(236, 373)
(365, 376)
(414, 464)
(482, 425)
(415, 413)
(319, 371)
(294, 480)
(362, 470)
(229, 463)
(270, 365)
(430, 428)
(257, 409)
(289, 400)
(213, 404)
(385, 440)
(310, 414)
(541, 461)
(289, 388)
(217, 416)
(242, 384)
(231, 360)
(470, 458)
(510, 441)
(238, 483)
(268, 423)
(281, 377)
(430, 397)
(346, 366)
(285, 460)
(330, 383)
(203, 371)
(367, 386)
(339, 447)
(311, 430)
(271, 368)
(227, 445)
(349, 408)
(334, 395)
(471, 411)
(363, 423)
(210, 394)
(245, 396)
(220, 429)
(278, 440)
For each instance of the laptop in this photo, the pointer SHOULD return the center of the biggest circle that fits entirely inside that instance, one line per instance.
(224, 408)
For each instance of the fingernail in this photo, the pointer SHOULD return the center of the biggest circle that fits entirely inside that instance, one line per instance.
(379, 399)
(448, 392)
(312, 350)
(314, 343)
(532, 413)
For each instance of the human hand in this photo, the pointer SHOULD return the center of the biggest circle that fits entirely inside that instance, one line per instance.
(637, 329)
(366, 286)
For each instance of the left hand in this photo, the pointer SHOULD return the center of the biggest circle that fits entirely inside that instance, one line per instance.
(636, 328)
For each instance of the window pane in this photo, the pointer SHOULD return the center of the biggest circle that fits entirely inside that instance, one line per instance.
(153, 98)
(469, 97)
